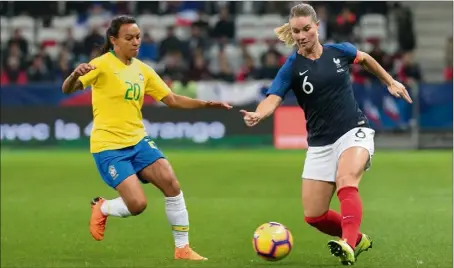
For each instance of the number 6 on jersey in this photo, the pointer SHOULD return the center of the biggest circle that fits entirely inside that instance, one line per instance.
(307, 87)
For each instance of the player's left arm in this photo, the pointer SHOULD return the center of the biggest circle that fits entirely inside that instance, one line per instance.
(371, 65)
(182, 102)
(159, 90)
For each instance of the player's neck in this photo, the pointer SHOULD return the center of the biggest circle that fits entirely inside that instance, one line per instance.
(123, 59)
(314, 52)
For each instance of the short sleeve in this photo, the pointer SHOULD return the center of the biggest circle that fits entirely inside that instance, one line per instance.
(282, 83)
(349, 50)
(155, 86)
(91, 77)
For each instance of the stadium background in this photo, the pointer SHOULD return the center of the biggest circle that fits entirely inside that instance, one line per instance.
(221, 51)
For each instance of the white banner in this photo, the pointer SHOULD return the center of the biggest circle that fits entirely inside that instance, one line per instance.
(234, 93)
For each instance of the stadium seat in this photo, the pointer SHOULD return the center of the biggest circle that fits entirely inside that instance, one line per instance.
(247, 21)
(373, 26)
(22, 22)
(147, 21)
(64, 21)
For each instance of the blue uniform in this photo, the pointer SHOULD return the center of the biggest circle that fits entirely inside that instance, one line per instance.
(116, 165)
(324, 91)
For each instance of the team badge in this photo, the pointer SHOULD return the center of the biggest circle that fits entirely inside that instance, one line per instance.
(141, 77)
(113, 172)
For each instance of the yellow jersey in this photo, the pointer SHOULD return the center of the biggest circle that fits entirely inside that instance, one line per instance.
(117, 98)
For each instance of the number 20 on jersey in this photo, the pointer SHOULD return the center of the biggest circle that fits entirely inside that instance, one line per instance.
(132, 91)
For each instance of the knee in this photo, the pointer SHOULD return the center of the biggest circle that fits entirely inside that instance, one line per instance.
(137, 206)
(347, 179)
(171, 186)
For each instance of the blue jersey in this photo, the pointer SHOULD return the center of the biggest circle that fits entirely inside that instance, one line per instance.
(324, 91)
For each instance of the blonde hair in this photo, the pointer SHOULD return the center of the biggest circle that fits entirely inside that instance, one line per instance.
(284, 32)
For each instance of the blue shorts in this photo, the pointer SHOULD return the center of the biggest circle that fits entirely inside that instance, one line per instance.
(116, 165)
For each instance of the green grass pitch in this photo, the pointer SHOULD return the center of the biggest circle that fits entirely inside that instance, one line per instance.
(407, 199)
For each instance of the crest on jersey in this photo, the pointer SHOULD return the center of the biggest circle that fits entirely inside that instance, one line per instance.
(337, 62)
(141, 77)
(113, 171)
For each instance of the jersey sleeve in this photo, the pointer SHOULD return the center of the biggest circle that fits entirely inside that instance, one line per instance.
(282, 83)
(91, 77)
(155, 86)
(349, 50)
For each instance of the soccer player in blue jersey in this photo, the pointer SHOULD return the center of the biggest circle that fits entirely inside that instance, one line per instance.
(341, 141)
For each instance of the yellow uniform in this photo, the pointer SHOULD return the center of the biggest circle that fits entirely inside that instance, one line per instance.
(117, 98)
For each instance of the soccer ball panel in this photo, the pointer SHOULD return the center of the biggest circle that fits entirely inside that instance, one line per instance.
(272, 241)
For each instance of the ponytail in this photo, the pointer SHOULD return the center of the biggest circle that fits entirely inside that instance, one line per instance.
(284, 33)
(107, 44)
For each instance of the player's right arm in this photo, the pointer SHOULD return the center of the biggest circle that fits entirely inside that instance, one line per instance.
(80, 78)
(281, 85)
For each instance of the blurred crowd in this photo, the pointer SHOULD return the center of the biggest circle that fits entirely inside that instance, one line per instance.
(211, 49)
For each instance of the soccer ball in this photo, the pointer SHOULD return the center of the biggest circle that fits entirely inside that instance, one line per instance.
(272, 241)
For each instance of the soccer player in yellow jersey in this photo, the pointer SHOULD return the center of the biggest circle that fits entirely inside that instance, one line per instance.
(123, 152)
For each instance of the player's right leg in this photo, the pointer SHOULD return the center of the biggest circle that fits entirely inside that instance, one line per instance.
(152, 167)
(317, 191)
(117, 171)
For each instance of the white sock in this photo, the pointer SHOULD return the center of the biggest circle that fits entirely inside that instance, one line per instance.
(177, 215)
(115, 207)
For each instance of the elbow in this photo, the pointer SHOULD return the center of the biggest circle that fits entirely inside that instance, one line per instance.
(171, 101)
(64, 90)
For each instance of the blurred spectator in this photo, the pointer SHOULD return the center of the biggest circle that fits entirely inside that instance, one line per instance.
(232, 53)
(202, 23)
(324, 26)
(71, 44)
(38, 71)
(409, 69)
(12, 73)
(20, 41)
(65, 65)
(47, 60)
(225, 72)
(175, 67)
(225, 27)
(198, 69)
(148, 48)
(248, 70)
(272, 49)
(170, 44)
(448, 72)
(14, 50)
(345, 22)
(270, 67)
(405, 32)
(93, 40)
(381, 57)
(197, 40)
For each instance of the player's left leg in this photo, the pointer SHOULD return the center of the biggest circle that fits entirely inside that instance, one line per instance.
(154, 168)
(355, 152)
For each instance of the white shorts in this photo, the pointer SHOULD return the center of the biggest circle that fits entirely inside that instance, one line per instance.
(321, 161)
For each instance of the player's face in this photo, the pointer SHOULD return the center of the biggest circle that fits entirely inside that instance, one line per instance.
(304, 31)
(128, 40)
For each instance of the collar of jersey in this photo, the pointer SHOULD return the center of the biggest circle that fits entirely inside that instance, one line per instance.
(115, 55)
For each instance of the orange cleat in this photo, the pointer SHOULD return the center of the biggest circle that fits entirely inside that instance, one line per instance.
(187, 253)
(97, 220)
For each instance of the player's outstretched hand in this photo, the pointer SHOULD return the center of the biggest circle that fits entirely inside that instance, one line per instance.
(399, 91)
(83, 69)
(218, 104)
(250, 118)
